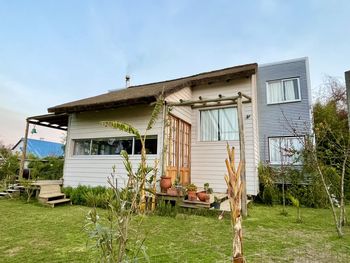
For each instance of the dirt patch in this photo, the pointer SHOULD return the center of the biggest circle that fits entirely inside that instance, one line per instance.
(13, 251)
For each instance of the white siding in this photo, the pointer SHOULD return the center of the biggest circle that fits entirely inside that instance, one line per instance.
(184, 113)
(94, 170)
(208, 158)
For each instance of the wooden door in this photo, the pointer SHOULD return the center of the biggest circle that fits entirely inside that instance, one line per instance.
(178, 150)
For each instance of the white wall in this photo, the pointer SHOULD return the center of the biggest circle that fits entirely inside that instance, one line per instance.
(208, 158)
(94, 169)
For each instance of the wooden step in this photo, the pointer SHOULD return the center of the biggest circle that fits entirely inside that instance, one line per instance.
(11, 191)
(58, 201)
(195, 204)
(4, 194)
(53, 195)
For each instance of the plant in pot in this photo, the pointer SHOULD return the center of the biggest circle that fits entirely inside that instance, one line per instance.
(216, 203)
(174, 189)
(204, 196)
(191, 192)
(165, 183)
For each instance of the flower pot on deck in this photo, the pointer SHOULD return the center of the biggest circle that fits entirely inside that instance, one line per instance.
(192, 195)
(203, 196)
(165, 183)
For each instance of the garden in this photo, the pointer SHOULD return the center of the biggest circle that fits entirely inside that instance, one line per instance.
(34, 233)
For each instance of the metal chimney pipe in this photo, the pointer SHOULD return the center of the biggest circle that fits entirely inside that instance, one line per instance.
(127, 81)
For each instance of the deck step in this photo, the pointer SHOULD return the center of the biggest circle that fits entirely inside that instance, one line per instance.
(195, 204)
(58, 201)
(4, 194)
(11, 191)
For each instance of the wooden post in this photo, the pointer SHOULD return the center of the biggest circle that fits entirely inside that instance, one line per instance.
(24, 151)
(242, 154)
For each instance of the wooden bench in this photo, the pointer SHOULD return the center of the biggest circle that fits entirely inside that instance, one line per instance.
(51, 194)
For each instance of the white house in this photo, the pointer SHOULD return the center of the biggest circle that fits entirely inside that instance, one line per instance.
(203, 118)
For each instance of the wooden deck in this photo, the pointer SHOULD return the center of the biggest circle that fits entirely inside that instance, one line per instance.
(182, 202)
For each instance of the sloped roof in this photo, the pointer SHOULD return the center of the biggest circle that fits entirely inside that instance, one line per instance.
(147, 93)
(42, 149)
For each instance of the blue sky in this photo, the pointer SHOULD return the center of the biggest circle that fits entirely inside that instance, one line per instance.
(52, 52)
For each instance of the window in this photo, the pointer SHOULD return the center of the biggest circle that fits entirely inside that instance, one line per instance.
(113, 146)
(285, 150)
(82, 147)
(150, 145)
(285, 90)
(219, 124)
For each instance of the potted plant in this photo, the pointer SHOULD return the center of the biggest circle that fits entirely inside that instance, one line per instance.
(174, 190)
(191, 192)
(204, 196)
(216, 203)
(165, 183)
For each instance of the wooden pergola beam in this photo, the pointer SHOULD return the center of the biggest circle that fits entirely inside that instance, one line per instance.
(193, 103)
(48, 125)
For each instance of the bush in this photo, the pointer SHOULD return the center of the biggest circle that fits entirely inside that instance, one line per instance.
(88, 196)
(306, 186)
(9, 164)
(49, 168)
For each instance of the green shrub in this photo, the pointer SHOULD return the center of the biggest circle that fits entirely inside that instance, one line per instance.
(49, 168)
(89, 196)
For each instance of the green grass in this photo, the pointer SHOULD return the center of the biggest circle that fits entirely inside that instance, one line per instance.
(33, 233)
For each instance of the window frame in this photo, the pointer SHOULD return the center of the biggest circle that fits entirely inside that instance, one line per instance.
(299, 162)
(133, 138)
(281, 81)
(199, 137)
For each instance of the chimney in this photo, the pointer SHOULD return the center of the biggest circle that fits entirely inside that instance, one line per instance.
(127, 81)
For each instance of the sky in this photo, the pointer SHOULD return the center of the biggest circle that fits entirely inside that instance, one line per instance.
(53, 52)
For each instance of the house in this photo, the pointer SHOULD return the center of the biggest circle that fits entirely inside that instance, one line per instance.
(284, 105)
(40, 148)
(201, 114)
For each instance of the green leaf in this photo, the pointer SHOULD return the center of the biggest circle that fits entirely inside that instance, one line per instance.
(157, 109)
(122, 126)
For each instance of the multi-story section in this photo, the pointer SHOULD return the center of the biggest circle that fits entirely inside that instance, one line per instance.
(284, 110)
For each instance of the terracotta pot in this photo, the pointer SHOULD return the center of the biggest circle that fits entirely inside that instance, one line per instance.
(203, 196)
(165, 183)
(172, 191)
(192, 195)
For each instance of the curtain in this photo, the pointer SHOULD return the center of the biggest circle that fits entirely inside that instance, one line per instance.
(209, 125)
(228, 124)
(275, 150)
(289, 90)
(275, 93)
(286, 150)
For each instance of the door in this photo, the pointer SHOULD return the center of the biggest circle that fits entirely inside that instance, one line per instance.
(178, 150)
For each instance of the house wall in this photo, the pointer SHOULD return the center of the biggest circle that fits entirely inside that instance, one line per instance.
(208, 158)
(277, 119)
(95, 169)
(184, 113)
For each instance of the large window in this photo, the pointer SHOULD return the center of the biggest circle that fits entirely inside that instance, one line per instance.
(219, 124)
(113, 146)
(285, 150)
(285, 90)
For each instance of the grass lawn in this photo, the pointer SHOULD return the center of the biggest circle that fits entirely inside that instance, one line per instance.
(33, 233)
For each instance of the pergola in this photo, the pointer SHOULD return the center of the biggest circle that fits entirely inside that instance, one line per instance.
(55, 121)
(237, 100)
